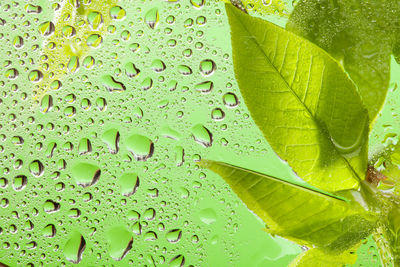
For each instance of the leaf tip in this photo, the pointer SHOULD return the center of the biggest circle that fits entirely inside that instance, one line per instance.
(204, 163)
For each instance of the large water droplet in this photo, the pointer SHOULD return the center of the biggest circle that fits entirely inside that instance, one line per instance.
(111, 84)
(202, 135)
(120, 242)
(151, 17)
(86, 174)
(75, 247)
(174, 235)
(36, 168)
(140, 146)
(111, 138)
(129, 183)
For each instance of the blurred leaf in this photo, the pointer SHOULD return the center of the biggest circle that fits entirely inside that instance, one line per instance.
(359, 34)
(305, 105)
(71, 42)
(303, 215)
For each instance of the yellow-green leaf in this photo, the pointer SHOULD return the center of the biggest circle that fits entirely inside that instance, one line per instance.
(318, 258)
(302, 101)
(306, 216)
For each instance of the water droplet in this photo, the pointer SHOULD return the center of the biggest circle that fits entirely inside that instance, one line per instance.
(197, 3)
(179, 156)
(111, 138)
(177, 261)
(3, 182)
(70, 111)
(46, 103)
(117, 13)
(133, 215)
(129, 183)
(11, 74)
(88, 62)
(17, 140)
(131, 71)
(174, 235)
(140, 146)
(204, 87)
(184, 70)
(73, 64)
(147, 83)
(172, 85)
(36, 168)
(150, 236)
(137, 228)
(86, 174)
(202, 135)
(35, 76)
(50, 149)
(151, 17)
(134, 47)
(207, 67)
(138, 112)
(208, 216)
(51, 206)
(95, 19)
(217, 114)
(149, 214)
(75, 247)
(18, 42)
(230, 100)
(201, 20)
(120, 242)
(101, 103)
(55, 85)
(85, 146)
(111, 84)
(94, 40)
(158, 65)
(49, 230)
(20, 182)
(33, 9)
(68, 31)
(46, 28)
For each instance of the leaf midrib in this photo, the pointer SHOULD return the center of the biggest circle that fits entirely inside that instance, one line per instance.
(291, 90)
(300, 187)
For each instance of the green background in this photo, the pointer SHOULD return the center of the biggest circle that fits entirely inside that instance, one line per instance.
(216, 227)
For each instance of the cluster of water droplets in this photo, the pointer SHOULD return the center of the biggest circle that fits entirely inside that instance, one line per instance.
(104, 111)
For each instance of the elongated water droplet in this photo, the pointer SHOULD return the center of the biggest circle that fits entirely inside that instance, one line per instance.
(111, 138)
(120, 242)
(111, 84)
(129, 183)
(74, 248)
(202, 135)
(151, 17)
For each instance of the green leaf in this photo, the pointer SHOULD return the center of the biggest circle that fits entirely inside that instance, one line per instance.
(303, 215)
(318, 258)
(303, 102)
(360, 34)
